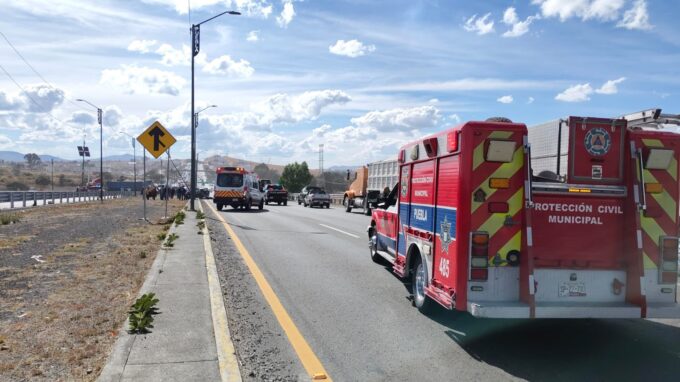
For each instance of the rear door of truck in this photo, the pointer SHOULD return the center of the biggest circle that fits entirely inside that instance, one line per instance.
(584, 263)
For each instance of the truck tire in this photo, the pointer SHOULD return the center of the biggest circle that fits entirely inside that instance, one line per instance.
(261, 205)
(499, 119)
(347, 203)
(249, 203)
(285, 202)
(266, 202)
(367, 208)
(418, 277)
(219, 206)
(299, 202)
(375, 257)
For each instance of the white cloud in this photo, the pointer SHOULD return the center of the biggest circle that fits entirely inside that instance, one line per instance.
(505, 99)
(6, 142)
(455, 118)
(141, 46)
(306, 106)
(228, 66)
(576, 93)
(530, 100)
(400, 119)
(287, 14)
(112, 116)
(142, 80)
(83, 118)
(467, 84)
(519, 28)
(253, 36)
(351, 48)
(479, 25)
(636, 17)
(610, 87)
(602, 10)
(171, 56)
(39, 98)
(433, 100)
(255, 8)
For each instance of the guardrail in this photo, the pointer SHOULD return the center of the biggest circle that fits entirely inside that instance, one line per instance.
(22, 199)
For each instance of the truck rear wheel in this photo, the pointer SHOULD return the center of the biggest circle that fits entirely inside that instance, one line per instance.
(285, 202)
(367, 208)
(347, 203)
(219, 206)
(418, 283)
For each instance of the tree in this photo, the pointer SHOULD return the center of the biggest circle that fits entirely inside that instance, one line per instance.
(121, 178)
(42, 180)
(295, 176)
(264, 172)
(32, 159)
(333, 181)
(17, 186)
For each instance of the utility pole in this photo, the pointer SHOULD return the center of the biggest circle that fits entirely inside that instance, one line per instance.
(195, 49)
(52, 182)
(101, 148)
(322, 179)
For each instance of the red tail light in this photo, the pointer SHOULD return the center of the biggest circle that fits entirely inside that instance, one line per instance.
(668, 269)
(479, 256)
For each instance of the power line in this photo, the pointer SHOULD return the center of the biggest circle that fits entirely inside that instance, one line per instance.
(28, 95)
(35, 71)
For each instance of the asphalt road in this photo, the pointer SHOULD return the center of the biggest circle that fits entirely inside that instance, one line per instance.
(358, 318)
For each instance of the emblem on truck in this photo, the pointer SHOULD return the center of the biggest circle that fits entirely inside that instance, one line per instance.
(598, 141)
(445, 234)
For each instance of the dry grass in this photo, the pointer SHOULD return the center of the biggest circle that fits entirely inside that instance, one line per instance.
(67, 333)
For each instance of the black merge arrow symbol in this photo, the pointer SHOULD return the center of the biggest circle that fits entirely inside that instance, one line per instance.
(157, 133)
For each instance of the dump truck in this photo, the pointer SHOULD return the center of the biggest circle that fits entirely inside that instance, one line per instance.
(371, 184)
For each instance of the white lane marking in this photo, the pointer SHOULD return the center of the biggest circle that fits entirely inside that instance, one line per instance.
(339, 230)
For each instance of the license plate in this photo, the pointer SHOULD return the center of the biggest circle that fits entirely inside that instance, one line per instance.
(572, 289)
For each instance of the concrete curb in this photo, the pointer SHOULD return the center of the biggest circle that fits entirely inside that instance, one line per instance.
(226, 354)
(115, 364)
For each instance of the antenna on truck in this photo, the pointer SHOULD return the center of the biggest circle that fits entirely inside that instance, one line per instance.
(651, 118)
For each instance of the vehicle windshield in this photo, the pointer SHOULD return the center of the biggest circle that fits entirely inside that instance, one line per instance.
(275, 187)
(230, 180)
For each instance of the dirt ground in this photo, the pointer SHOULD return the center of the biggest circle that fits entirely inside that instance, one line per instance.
(68, 275)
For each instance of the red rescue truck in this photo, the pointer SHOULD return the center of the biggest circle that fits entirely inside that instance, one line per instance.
(594, 236)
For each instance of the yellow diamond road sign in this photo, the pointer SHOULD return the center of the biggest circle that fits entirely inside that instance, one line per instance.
(156, 139)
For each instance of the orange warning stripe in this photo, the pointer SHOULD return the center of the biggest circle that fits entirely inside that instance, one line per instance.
(228, 194)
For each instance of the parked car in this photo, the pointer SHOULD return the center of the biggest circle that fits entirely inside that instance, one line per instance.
(275, 193)
(306, 190)
(318, 198)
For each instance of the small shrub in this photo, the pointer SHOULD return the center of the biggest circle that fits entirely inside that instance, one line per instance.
(42, 180)
(200, 215)
(142, 255)
(200, 225)
(170, 242)
(141, 313)
(179, 218)
(6, 219)
(161, 236)
(17, 186)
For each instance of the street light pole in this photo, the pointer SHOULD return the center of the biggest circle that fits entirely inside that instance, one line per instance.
(134, 159)
(196, 47)
(101, 148)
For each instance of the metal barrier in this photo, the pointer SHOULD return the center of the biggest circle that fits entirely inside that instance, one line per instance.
(22, 199)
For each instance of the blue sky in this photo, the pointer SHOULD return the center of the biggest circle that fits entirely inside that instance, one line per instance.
(360, 77)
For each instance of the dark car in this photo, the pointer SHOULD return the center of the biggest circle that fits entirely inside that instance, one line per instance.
(303, 194)
(275, 193)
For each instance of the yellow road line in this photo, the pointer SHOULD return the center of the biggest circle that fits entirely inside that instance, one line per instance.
(226, 355)
(309, 360)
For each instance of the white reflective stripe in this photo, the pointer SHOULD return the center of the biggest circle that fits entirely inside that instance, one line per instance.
(639, 239)
(532, 290)
(632, 148)
(530, 238)
(642, 285)
(636, 195)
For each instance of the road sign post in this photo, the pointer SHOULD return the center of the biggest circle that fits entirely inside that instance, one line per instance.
(156, 139)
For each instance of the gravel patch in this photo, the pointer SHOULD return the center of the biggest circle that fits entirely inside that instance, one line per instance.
(67, 282)
(262, 347)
